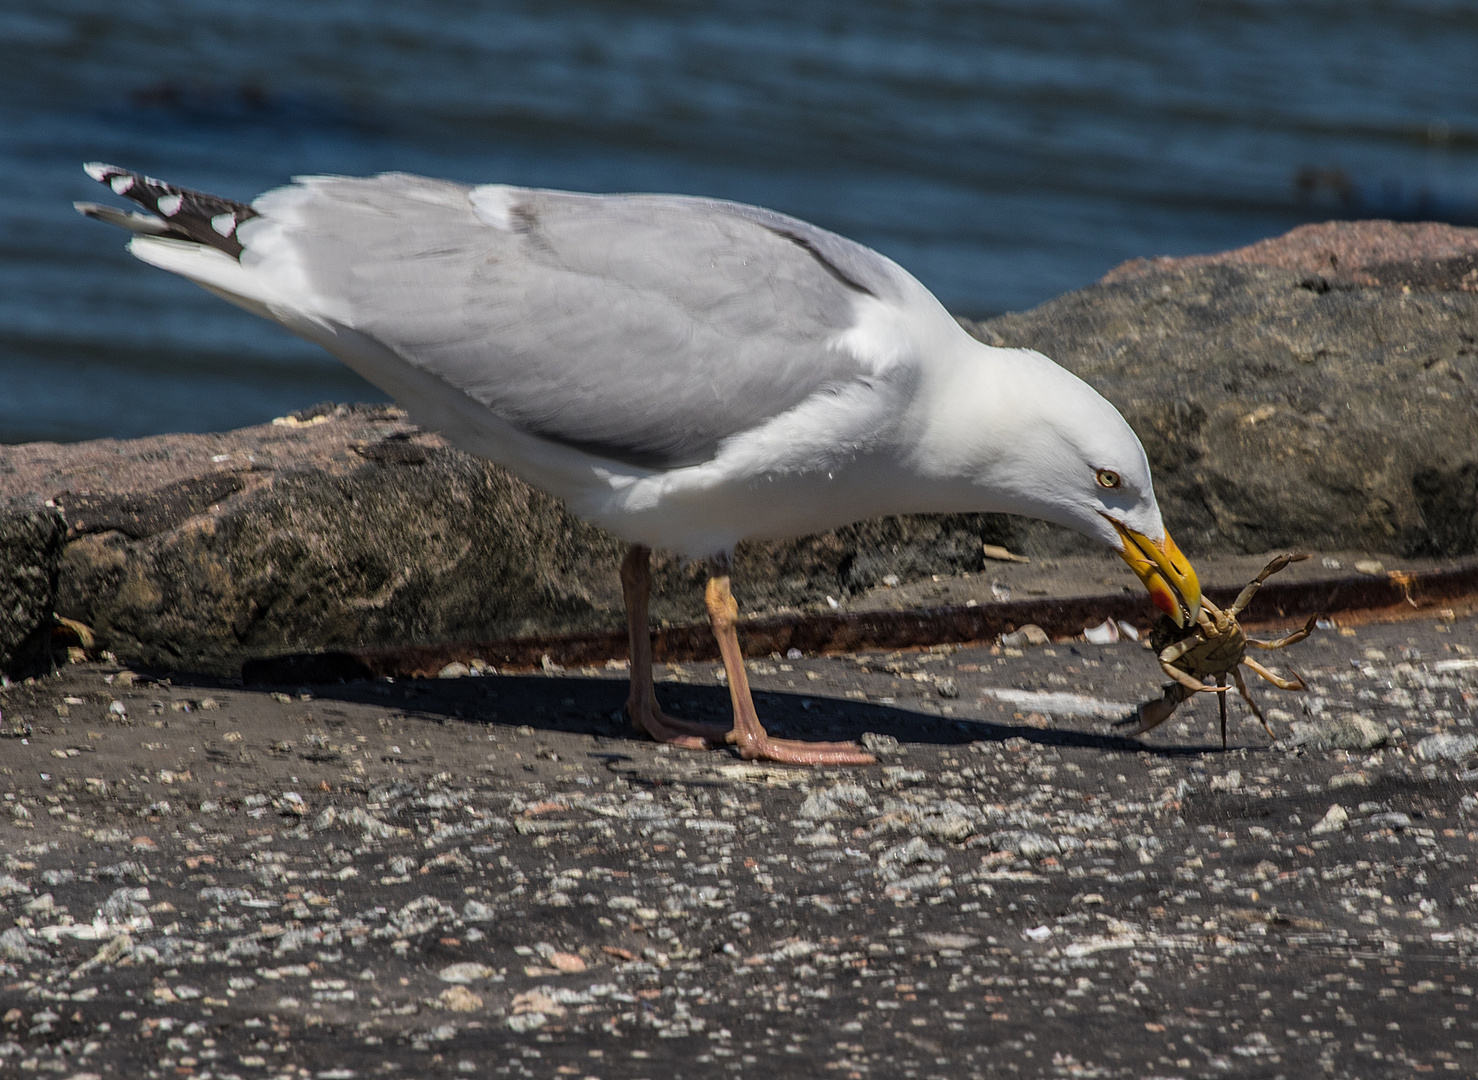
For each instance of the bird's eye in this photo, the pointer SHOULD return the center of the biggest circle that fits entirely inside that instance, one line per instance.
(1108, 478)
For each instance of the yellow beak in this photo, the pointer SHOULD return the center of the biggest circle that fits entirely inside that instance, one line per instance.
(1166, 573)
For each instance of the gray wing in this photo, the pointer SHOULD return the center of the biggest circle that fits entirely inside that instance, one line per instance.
(645, 328)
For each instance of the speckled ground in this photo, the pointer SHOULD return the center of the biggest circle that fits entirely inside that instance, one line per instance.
(488, 877)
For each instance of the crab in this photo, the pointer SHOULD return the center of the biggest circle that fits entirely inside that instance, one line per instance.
(1213, 647)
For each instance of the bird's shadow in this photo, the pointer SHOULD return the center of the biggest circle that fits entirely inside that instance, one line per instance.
(596, 707)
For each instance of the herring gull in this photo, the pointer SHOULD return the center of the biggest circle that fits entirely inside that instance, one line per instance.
(684, 372)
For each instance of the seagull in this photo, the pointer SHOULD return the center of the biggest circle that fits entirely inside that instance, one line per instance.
(684, 372)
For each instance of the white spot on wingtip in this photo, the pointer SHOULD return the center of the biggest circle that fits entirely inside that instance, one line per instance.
(120, 184)
(169, 205)
(225, 224)
(493, 204)
(97, 170)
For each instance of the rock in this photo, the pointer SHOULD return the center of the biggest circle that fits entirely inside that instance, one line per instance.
(1447, 747)
(949, 941)
(951, 828)
(31, 539)
(1030, 634)
(1351, 732)
(477, 911)
(469, 972)
(1390, 819)
(1028, 845)
(459, 999)
(877, 744)
(912, 851)
(566, 963)
(125, 903)
(1127, 910)
(838, 801)
(896, 776)
(421, 915)
(1229, 781)
(373, 828)
(904, 888)
(1334, 820)
(1367, 253)
(947, 820)
(533, 1009)
(822, 837)
(14, 945)
(201, 551)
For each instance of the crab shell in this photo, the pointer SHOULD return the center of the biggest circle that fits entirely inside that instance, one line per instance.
(1223, 644)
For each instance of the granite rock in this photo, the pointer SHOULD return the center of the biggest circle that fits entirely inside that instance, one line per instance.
(1352, 732)
(1447, 746)
(31, 535)
(345, 526)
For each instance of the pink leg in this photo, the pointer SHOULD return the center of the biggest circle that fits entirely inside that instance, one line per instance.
(749, 735)
(641, 704)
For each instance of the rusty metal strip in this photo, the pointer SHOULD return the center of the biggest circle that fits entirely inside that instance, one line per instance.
(1393, 596)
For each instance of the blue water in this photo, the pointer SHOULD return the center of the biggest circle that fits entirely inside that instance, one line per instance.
(1003, 151)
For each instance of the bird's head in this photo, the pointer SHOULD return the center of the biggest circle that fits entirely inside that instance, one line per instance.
(1047, 445)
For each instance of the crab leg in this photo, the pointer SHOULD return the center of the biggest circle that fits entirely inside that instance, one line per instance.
(1190, 682)
(1296, 683)
(1242, 689)
(1292, 639)
(1221, 703)
(1245, 596)
(1174, 652)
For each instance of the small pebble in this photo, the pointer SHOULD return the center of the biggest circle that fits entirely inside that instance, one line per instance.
(1030, 634)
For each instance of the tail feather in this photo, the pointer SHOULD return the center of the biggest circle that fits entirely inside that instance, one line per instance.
(178, 213)
(124, 219)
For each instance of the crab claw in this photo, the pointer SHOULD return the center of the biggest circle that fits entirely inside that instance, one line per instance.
(1152, 714)
(1166, 573)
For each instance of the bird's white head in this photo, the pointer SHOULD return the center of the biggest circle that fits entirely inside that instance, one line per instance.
(1033, 439)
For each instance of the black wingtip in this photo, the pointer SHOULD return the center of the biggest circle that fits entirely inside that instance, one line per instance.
(182, 214)
(124, 219)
